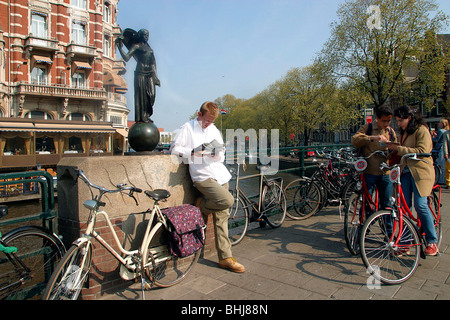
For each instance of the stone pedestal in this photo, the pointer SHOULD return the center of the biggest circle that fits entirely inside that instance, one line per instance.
(156, 171)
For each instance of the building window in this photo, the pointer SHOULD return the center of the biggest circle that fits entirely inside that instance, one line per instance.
(45, 144)
(76, 116)
(73, 145)
(79, 33)
(79, 80)
(38, 115)
(107, 46)
(39, 25)
(81, 4)
(107, 12)
(39, 75)
(15, 146)
(116, 120)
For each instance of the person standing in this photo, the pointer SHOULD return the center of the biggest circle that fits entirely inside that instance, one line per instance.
(439, 142)
(370, 138)
(417, 177)
(210, 176)
(446, 153)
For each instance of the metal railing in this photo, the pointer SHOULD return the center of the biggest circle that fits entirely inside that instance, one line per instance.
(45, 181)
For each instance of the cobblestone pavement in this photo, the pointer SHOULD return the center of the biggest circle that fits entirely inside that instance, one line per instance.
(303, 260)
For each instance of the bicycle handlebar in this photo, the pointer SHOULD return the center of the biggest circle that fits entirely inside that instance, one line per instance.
(120, 187)
(410, 156)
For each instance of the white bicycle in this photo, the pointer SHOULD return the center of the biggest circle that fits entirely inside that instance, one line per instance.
(152, 262)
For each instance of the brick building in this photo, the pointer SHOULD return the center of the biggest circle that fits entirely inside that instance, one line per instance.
(61, 93)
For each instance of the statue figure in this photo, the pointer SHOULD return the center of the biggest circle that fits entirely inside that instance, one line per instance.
(145, 76)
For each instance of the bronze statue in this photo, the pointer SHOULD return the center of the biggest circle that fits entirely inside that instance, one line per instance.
(145, 76)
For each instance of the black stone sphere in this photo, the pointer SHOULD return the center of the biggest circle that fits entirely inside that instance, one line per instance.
(143, 136)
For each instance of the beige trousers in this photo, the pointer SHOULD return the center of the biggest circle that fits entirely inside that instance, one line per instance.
(216, 201)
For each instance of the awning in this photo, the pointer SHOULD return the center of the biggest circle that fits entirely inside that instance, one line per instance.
(40, 59)
(112, 79)
(122, 87)
(108, 79)
(16, 126)
(122, 132)
(51, 127)
(80, 65)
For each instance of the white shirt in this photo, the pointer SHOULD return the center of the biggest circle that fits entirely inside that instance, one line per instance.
(192, 135)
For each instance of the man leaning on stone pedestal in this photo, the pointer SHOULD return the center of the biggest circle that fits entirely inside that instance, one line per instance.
(210, 176)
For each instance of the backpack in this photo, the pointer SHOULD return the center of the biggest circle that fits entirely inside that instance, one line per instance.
(186, 230)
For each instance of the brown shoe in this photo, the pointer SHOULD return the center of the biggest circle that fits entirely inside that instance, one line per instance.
(232, 265)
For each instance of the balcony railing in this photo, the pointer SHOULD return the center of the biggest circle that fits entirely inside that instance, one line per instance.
(60, 91)
(79, 49)
(117, 98)
(42, 43)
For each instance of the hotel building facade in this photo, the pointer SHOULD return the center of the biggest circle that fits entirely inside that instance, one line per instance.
(61, 89)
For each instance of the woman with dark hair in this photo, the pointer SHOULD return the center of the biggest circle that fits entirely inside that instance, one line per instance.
(417, 176)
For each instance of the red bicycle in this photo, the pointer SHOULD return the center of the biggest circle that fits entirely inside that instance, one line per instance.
(392, 240)
(360, 205)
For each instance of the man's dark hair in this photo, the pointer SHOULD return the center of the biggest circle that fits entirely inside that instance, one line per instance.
(383, 110)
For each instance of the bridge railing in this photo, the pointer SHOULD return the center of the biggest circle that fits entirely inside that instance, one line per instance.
(46, 188)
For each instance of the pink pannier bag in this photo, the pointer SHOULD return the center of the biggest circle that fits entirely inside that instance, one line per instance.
(186, 226)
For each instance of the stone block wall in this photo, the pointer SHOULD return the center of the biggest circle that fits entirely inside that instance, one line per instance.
(147, 172)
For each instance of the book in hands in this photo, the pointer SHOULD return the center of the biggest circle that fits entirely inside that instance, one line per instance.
(210, 149)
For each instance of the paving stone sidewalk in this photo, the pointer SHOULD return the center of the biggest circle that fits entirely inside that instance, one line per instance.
(303, 260)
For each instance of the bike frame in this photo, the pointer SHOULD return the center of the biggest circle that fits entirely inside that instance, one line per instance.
(404, 210)
(366, 198)
(328, 181)
(91, 233)
(263, 181)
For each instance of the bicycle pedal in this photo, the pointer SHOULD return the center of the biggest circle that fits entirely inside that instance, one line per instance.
(147, 285)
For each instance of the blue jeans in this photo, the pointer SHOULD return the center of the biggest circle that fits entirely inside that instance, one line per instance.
(420, 204)
(384, 186)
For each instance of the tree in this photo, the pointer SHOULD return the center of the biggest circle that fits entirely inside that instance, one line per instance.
(431, 70)
(315, 99)
(372, 45)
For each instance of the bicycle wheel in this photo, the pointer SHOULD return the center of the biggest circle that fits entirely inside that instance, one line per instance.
(71, 273)
(289, 192)
(273, 203)
(161, 267)
(353, 222)
(387, 262)
(238, 221)
(352, 185)
(28, 270)
(307, 200)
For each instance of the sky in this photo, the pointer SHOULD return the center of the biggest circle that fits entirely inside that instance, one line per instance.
(205, 49)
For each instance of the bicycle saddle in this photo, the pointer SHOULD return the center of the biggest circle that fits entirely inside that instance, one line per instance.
(158, 194)
(263, 168)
